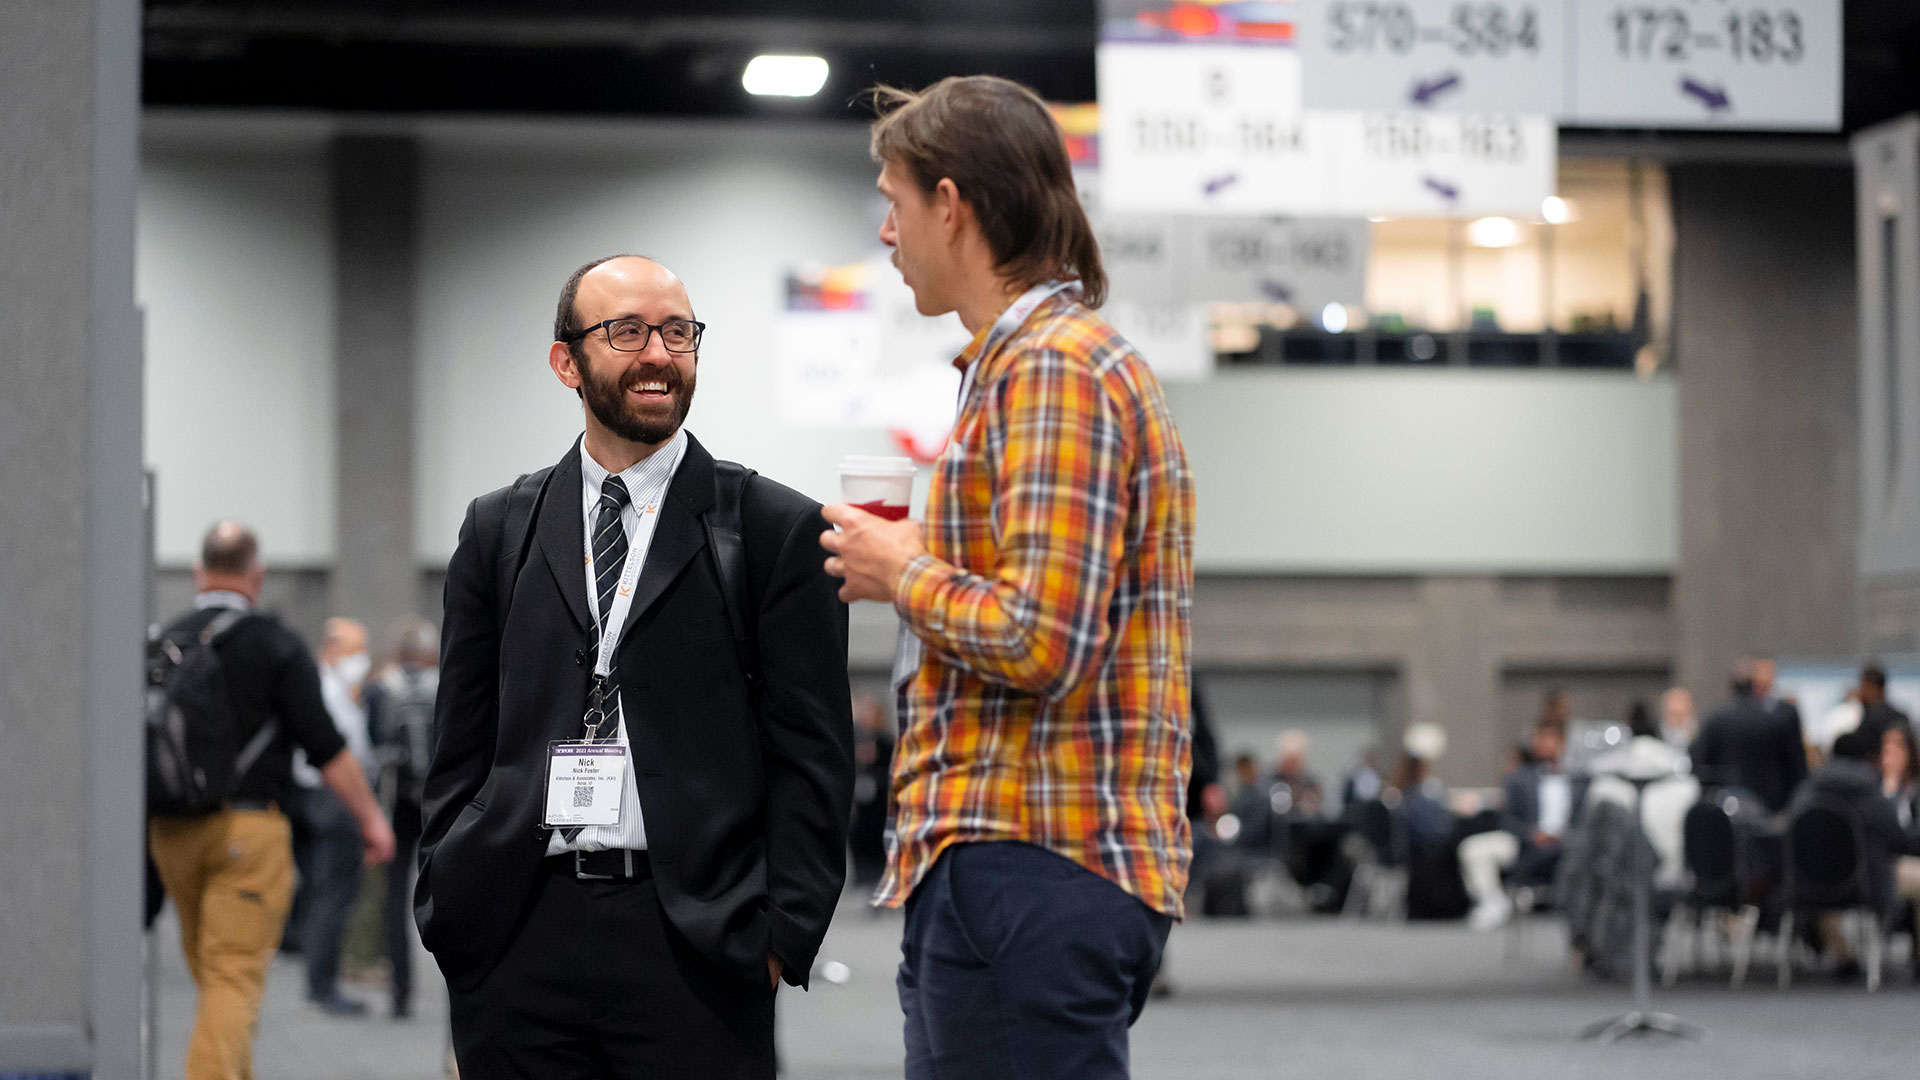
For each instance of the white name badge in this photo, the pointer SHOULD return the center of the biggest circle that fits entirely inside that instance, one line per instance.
(584, 781)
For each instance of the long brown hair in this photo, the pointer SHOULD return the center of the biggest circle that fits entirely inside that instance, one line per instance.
(1000, 146)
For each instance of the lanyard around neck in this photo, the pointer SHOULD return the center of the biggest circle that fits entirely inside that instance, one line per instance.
(616, 619)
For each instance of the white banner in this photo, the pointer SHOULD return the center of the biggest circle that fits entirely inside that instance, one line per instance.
(1433, 54)
(1210, 129)
(1708, 64)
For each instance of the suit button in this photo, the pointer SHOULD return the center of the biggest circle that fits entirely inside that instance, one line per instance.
(579, 658)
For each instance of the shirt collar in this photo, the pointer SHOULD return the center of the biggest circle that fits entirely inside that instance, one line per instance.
(221, 598)
(994, 333)
(650, 470)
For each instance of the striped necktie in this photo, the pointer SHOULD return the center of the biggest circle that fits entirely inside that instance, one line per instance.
(609, 560)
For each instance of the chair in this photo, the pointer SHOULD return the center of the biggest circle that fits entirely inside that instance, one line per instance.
(1826, 872)
(1717, 883)
(1377, 847)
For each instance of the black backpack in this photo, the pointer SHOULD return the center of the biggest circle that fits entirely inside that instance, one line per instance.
(194, 756)
(404, 743)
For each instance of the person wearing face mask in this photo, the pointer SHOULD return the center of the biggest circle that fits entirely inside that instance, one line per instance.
(330, 874)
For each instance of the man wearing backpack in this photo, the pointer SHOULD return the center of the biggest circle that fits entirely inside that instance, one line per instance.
(636, 814)
(231, 693)
(400, 723)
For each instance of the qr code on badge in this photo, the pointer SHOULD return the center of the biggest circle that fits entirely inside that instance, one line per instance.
(582, 796)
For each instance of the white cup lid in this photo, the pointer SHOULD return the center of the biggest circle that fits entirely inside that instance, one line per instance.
(864, 465)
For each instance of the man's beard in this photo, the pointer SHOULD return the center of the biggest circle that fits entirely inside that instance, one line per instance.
(607, 398)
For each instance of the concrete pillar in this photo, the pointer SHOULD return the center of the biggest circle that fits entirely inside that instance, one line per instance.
(1887, 163)
(71, 551)
(375, 184)
(1765, 345)
(1453, 673)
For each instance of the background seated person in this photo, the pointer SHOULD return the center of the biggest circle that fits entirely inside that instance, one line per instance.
(1900, 783)
(1663, 811)
(1541, 803)
(1853, 778)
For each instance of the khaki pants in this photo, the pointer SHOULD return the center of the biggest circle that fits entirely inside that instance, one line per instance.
(230, 876)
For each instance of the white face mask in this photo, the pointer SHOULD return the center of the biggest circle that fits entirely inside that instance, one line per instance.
(353, 668)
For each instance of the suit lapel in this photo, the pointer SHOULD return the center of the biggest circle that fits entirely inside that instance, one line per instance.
(562, 536)
(679, 534)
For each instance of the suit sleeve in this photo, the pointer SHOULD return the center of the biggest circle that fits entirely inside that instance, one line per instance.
(806, 722)
(1518, 814)
(466, 709)
(1793, 747)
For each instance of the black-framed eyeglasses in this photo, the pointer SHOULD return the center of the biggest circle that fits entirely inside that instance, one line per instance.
(632, 335)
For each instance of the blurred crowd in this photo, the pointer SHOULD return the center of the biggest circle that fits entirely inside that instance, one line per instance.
(1751, 819)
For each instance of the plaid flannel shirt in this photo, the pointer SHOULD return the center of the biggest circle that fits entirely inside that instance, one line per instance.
(1052, 704)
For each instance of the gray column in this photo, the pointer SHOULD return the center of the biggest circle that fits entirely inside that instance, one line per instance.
(1887, 162)
(375, 180)
(1765, 343)
(70, 540)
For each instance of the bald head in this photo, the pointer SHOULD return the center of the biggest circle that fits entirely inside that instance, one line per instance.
(595, 288)
(229, 561)
(229, 548)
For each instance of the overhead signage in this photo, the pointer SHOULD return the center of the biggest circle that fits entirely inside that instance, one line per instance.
(1161, 259)
(1433, 54)
(1707, 64)
(1221, 130)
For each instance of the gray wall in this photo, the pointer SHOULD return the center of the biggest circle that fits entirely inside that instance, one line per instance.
(70, 541)
(1765, 344)
(1300, 471)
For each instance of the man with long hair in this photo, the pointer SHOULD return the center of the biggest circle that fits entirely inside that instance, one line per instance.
(1040, 843)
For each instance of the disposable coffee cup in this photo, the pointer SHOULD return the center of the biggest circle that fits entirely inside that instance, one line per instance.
(879, 485)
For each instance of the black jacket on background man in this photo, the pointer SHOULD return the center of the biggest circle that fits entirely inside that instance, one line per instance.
(271, 678)
(1745, 744)
(745, 795)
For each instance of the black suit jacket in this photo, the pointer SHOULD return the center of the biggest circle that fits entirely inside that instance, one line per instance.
(1520, 809)
(1746, 744)
(746, 806)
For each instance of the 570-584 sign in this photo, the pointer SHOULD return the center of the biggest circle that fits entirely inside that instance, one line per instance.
(1466, 29)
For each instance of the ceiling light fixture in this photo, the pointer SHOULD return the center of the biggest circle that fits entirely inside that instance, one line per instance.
(1493, 232)
(784, 76)
(1555, 210)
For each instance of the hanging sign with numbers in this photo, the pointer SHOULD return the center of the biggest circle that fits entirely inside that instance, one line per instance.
(1204, 129)
(1212, 129)
(1757, 64)
(1506, 57)
(1308, 263)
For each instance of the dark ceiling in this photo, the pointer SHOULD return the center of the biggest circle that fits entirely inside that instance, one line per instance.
(684, 57)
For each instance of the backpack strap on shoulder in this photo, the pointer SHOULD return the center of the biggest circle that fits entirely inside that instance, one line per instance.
(729, 553)
(524, 500)
(221, 625)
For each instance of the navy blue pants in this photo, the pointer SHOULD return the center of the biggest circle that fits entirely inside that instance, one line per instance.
(333, 889)
(1018, 963)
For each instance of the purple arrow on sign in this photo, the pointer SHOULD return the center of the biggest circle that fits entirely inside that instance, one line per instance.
(1424, 91)
(1219, 183)
(1277, 291)
(1713, 97)
(1449, 192)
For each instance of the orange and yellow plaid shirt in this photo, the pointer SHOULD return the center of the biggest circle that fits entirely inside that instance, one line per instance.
(1051, 703)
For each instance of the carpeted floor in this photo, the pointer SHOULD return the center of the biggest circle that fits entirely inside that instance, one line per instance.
(1312, 999)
